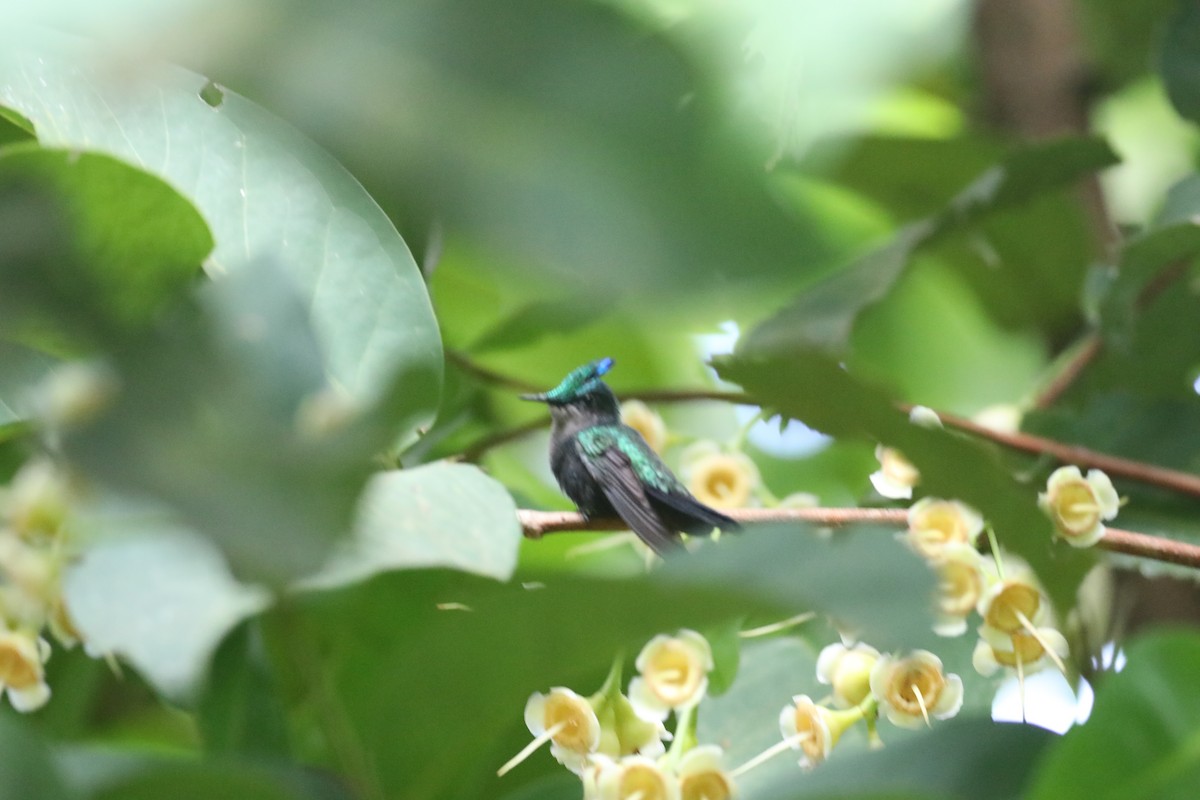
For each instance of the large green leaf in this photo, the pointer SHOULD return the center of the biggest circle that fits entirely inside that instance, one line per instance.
(809, 387)
(576, 148)
(441, 515)
(1179, 61)
(1143, 738)
(134, 244)
(402, 646)
(823, 315)
(961, 759)
(160, 598)
(266, 192)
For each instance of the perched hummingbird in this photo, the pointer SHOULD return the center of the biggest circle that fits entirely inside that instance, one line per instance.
(607, 468)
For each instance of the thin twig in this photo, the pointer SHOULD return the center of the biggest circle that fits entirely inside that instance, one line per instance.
(1084, 356)
(537, 524)
(469, 366)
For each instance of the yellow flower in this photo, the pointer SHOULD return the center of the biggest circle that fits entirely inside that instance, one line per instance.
(848, 670)
(701, 776)
(812, 729)
(1028, 651)
(963, 577)
(717, 478)
(636, 778)
(910, 690)
(673, 674)
(1079, 506)
(645, 421)
(933, 524)
(1013, 604)
(896, 475)
(568, 721)
(21, 675)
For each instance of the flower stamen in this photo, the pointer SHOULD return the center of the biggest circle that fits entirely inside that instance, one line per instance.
(532, 747)
(781, 746)
(1028, 626)
(921, 702)
(775, 627)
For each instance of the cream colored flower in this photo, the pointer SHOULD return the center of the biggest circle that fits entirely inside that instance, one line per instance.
(1079, 506)
(568, 721)
(37, 500)
(963, 577)
(636, 778)
(702, 775)
(812, 729)
(1002, 417)
(22, 655)
(800, 500)
(924, 417)
(848, 670)
(1026, 650)
(934, 523)
(1013, 604)
(647, 422)
(910, 690)
(673, 674)
(896, 475)
(717, 478)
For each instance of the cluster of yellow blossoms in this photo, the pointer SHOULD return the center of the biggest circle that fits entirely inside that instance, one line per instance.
(1017, 631)
(34, 549)
(614, 741)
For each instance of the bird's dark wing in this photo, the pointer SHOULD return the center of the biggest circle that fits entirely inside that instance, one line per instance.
(613, 472)
(686, 513)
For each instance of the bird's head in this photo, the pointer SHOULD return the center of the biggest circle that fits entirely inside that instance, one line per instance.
(584, 387)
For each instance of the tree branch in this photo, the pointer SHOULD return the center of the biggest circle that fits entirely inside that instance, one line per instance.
(537, 524)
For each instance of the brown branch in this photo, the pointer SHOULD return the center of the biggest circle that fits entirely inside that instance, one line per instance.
(537, 524)
(1174, 480)
(1070, 372)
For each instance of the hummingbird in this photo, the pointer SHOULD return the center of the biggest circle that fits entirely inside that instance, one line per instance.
(607, 469)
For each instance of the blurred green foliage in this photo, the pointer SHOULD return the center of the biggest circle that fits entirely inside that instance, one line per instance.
(298, 334)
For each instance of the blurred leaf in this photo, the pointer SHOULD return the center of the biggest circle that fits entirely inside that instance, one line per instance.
(950, 466)
(1179, 59)
(240, 710)
(561, 785)
(158, 596)
(211, 419)
(440, 515)
(575, 146)
(28, 771)
(823, 315)
(726, 647)
(133, 244)
(1140, 740)
(424, 664)
(196, 780)
(268, 194)
(1142, 261)
(960, 759)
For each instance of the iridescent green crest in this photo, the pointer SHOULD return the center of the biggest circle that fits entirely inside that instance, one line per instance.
(579, 382)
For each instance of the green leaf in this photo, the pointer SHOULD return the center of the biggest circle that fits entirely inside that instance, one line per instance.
(1179, 60)
(440, 515)
(211, 419)
(1143, 737)
(950, 466)
(592, 171)
(265, 190)
(159, 597)
(466, 673)
(823, 316)
(240, 710)
(134, 244)
(960, 759)
(28, 771)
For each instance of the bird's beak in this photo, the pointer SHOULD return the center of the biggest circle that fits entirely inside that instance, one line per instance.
(537, 398)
